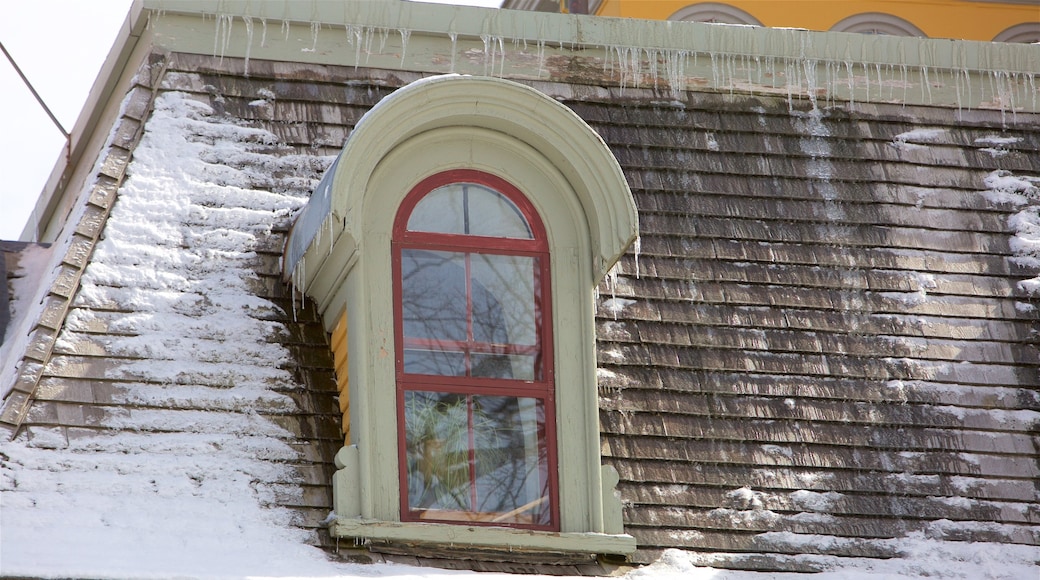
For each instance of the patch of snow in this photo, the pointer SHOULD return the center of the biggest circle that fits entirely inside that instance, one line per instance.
(746, 498)
(713, 145)
(1005, 187)
(616, 305)
(997, 141)
(162, 492)
(814, 501)
(912, 139)
(997, 145)
(779, 451)
(745, 518)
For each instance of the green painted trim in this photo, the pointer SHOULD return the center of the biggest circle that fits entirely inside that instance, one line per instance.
(461, 536)
(577, 188)
(477, 102)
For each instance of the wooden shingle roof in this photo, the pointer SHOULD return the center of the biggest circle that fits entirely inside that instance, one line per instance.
(819, 344)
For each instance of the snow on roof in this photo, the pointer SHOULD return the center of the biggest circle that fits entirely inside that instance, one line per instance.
(177, 471)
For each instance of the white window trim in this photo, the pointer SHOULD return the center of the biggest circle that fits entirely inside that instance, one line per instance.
(566, 171)
(714, 12)
(878, 22)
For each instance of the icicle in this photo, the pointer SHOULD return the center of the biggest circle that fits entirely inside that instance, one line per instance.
(926, 85)
(637, 248)
(405, 35)
(866, 81)
(263, 33)
(384, 35)
(788, 82)
(1033, 89)
(354, 34)
(315, 29)
(328, 230)
(369, 35)
(714, 70)
(249, 41)
(906, 82)
(852, 83)
(612, 281)
(880, 82)
(541, 57)
(502, 58)
(486, 39)
(454, 36)
(286, 27)
(809, 66)
(222, 37)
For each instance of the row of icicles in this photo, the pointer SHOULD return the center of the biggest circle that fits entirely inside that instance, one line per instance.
(838, 81)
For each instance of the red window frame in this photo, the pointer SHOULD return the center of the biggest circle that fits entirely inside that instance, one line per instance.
(543, 385)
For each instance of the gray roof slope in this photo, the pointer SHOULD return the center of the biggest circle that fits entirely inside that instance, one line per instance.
(819, 346)
(822, 332)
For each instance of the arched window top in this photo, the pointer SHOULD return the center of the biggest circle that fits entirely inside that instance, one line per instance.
(470, 203)
(715, 12)
(1028, 32)
(878, 23)
(339, 206)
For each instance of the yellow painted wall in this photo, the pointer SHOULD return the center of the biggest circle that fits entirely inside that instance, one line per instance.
(960, 19)
(339, 352)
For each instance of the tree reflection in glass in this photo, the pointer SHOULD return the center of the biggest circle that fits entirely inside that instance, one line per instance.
(473, 384)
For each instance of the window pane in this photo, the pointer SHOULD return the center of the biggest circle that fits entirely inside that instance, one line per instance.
(476, 458)
(467, 208)
(501, 366)
(433, 294)
(435, 362)
(469, 314)
(504, 309)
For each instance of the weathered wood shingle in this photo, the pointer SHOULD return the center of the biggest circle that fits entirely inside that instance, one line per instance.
(819, 343)
(823, 315)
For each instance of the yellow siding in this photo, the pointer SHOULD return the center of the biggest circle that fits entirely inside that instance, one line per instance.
(962, 19)
(339, 353)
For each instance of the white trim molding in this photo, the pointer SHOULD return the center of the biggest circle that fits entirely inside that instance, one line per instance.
(714, 12)
(1027, 32)
(878, 23)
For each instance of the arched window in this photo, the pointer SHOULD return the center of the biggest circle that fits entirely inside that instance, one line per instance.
(474, 365)
(716, 13)
(878, 23)
(1028, 33)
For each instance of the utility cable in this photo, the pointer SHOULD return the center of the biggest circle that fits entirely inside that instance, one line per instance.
(35, 94)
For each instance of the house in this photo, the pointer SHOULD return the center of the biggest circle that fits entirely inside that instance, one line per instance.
(989, 21)
(512, 290)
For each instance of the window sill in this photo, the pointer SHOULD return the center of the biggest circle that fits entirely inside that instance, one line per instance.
(483, 537)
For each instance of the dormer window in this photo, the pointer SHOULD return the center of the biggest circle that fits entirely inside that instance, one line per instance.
(454, 250)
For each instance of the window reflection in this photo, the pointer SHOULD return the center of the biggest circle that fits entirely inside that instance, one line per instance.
(476, 458)
(467, 314)
(471, 209)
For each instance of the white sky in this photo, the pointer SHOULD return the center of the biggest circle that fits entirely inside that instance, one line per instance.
(60, 45)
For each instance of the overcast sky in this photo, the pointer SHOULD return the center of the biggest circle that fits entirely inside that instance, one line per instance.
(60, 45)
